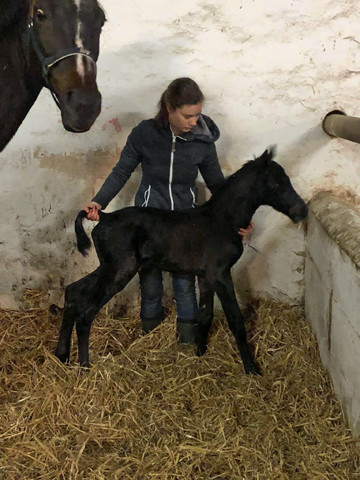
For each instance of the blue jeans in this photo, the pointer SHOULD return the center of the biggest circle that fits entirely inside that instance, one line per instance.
(151, 284)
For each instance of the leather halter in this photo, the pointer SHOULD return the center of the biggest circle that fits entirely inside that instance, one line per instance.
(48, 62)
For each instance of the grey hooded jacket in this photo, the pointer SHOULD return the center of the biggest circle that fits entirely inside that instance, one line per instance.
(170, 165)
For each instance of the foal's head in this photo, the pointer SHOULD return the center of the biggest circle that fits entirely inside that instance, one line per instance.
(65, 36)
(277, 189)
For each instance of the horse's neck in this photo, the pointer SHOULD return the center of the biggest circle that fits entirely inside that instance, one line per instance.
(237, 203)
(19, 87)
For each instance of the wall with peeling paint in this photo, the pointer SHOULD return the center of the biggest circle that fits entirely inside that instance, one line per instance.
(270, 72)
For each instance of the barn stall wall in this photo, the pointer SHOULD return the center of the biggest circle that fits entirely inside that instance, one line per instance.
(270, 72)
(332, 291)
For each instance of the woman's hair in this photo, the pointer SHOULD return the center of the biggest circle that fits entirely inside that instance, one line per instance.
(180, 92)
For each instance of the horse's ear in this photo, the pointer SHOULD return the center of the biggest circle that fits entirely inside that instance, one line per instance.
(268, 155)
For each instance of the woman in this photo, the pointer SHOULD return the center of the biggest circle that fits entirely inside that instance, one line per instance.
(172, 148)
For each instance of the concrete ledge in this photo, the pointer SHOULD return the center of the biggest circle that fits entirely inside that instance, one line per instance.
(341, 221)
(332, 295)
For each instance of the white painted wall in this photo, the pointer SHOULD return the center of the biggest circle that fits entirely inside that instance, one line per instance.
(270, 71)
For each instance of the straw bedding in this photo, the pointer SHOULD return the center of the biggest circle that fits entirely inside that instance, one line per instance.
(150, 409)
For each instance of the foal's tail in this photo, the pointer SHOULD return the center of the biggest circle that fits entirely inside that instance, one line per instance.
(83, 241)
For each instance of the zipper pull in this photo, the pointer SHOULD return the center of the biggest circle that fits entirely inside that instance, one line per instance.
(173, 145)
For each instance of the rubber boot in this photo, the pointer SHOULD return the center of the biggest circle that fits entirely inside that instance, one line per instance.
(186, 330)
(150, 323)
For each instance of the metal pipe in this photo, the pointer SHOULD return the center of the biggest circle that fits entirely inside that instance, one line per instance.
(338, 124)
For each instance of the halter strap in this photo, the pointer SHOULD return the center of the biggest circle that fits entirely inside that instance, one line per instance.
(31, 9)
(48, 62)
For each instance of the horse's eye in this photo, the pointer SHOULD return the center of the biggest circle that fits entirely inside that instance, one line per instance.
(40, 14)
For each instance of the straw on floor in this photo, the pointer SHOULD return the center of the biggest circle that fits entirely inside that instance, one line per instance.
(150, 409)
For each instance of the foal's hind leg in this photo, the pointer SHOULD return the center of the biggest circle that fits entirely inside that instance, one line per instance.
(225, 290)
(84, 299)
(72, 309)
(205, 315)
(104, 289)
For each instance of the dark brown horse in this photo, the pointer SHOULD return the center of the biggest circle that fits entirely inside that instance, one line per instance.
(53, 44)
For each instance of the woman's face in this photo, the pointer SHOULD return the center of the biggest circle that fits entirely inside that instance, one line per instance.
(183, 119)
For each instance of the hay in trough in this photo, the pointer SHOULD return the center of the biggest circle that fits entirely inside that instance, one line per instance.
(150, 409)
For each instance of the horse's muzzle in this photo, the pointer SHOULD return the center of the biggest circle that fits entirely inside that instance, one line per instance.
(80, 109)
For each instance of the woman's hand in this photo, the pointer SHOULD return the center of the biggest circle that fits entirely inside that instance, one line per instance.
(244, 232)
(92, 210)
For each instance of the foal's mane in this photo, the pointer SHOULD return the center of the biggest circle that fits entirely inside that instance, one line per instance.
(239, 178)
(245, 176)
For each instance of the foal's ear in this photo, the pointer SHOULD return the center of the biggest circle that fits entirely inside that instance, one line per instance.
(268, 155)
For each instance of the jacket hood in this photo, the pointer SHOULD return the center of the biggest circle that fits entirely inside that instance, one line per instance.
(205, 130)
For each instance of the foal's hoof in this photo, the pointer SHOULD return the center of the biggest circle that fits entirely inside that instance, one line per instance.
(63, 357)
(85, 368)
(253, 369)
(201, 350)
(55, 310)
(84, 364)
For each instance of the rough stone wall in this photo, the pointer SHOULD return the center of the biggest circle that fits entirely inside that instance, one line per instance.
(270, 72)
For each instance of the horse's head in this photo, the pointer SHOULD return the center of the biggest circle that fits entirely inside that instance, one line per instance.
(65, 36)
(277, 190)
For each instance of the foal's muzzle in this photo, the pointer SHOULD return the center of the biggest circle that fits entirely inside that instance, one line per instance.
(298, 212)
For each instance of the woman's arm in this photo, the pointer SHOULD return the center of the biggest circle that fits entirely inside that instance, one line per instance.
(210, 169)
(129, 159)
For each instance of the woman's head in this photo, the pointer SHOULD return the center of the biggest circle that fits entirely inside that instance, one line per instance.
(180, 104)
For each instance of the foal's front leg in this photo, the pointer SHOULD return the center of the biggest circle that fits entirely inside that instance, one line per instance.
(205, 315)
(225, 290)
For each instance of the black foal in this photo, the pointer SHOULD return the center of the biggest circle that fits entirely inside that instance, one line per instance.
(203, 241)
